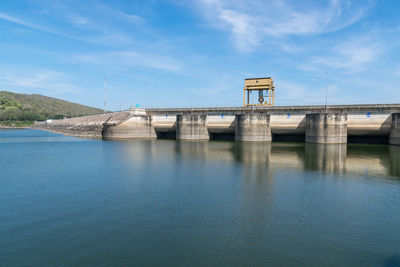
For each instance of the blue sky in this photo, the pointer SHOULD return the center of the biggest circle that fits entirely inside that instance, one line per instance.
(198, 52)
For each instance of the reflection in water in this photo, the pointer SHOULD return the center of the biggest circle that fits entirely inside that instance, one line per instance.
(255, 158)
(394, 156)
(262, 159)
(325, 157)
(256, 154)
(259, 204)
(162, 202)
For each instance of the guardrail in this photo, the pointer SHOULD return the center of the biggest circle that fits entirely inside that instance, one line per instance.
(277, 108)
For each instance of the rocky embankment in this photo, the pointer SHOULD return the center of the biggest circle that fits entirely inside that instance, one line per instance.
(88, 126)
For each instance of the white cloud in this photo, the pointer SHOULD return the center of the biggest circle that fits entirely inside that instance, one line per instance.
(351, 55)
(119, 59)
(291, 92)
(298, 94)
(111, 37)
(49, 81)
(250, 22)
(120, 15)
(79, 20)
(243, 31)
(34, 26)
(16, 20)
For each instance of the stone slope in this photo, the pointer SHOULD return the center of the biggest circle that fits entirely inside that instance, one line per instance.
(88, 126)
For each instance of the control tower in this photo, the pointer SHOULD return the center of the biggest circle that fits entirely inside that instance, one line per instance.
(263, 88)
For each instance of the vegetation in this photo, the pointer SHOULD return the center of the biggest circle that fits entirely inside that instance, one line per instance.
(22, 109)
(15, 123)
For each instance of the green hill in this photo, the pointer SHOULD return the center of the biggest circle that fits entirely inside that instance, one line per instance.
(28, 108)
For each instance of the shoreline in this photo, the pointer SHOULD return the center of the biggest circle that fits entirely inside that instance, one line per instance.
(89, 136)
(3, 127)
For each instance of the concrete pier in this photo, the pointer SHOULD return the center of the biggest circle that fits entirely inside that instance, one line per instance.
(192, 127)
(253, 127)
(326, 128)
(394, 138)
(136, 127)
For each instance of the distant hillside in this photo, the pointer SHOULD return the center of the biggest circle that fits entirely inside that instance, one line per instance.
(24, 107)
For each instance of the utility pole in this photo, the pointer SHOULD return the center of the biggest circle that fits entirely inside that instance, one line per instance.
(191, 105)
(326, 92)
(105, 95)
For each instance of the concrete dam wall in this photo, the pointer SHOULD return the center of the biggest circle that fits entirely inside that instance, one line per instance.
(88, 126)
(312, 124)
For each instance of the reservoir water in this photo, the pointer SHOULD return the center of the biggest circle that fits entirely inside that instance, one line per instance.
(69, 201)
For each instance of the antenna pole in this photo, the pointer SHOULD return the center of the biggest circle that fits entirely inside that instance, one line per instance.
(326, 92)
(105, 95)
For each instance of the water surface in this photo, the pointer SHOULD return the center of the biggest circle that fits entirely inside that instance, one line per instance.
(71, 201)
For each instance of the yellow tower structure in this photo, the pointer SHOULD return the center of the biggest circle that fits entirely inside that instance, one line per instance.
(265, 89)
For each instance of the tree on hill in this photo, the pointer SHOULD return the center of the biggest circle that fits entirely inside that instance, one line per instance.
(24, 107)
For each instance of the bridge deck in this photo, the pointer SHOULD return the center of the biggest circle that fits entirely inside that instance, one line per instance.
(280, 109)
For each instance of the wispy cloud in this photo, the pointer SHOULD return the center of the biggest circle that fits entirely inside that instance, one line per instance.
(34, 26)
(222, 84)
(93, 35)
(120, 15)
(25, 78)
(350, 55)
(123, 59)
(289, 92)
(79, 20)
(251, 22)
(296, 94)
(19, 21)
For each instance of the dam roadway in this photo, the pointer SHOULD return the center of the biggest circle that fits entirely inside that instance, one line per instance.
(312, 124)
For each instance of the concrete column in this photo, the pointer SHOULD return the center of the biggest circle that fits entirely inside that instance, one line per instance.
(136, 127)
(191, 127)
(252, 127)
(394, 138)
(326, 128)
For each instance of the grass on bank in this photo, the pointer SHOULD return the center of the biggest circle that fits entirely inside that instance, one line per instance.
(16, 123)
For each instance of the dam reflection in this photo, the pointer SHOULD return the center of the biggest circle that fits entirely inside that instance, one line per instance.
(263, 159)
(329, 158)
(394, 156)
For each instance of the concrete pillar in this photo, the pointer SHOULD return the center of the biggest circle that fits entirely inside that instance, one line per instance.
(326, 128)
(191, 127)
(136, 127)
(394, 138)
(252, 127)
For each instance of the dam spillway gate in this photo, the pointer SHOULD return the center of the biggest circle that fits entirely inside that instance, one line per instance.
(312, 124)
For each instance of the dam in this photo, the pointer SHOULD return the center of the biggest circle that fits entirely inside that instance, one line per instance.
(332, 124)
